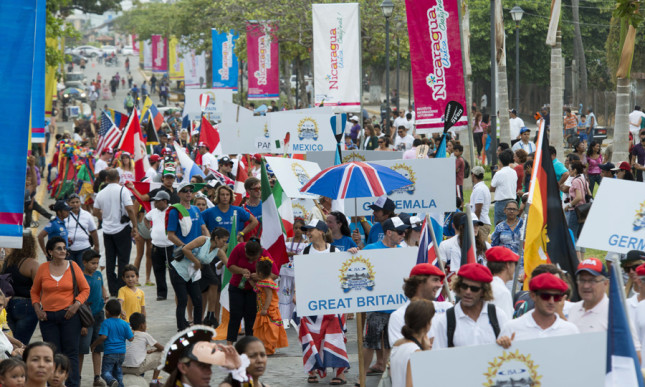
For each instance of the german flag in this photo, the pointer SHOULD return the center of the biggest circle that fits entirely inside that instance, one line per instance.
(468, 254)
(547, 236)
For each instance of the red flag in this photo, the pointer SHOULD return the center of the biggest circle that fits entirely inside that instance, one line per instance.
(210, 136)
(238, 188)
(468, 241)
(132, 142)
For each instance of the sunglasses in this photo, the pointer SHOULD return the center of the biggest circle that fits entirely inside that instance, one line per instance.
(60, 248)
(184, 191)
(401, 232)
(630, 268)
(472, 288)
(547, 296)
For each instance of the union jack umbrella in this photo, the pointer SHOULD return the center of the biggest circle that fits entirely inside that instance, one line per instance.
(355, 179)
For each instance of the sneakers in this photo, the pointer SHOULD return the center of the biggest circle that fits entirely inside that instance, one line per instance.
(115, 383)
(98, 382)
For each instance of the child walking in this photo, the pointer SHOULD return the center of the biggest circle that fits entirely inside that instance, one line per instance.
(98, 294)
(130, 296)
(61, 371)
(268, 322)
(113, 334)
(13, 372)
(138, 359)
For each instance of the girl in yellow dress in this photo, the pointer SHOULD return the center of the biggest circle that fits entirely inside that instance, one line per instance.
(268, 322)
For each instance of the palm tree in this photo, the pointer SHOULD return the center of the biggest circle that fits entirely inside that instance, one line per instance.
(554, 39)
(500, 37)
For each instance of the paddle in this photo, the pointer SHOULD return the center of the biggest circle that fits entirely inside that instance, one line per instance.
(453, 113)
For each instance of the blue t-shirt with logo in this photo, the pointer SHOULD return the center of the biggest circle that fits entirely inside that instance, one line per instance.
(255, 211)
(95, 299)
(214, 217)
(344, 243)
(195, 230)
(377, 245)
(117, 332)
(56, 228)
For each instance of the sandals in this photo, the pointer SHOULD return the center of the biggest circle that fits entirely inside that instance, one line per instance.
(374, 371)
(312, 379)
(337, 382)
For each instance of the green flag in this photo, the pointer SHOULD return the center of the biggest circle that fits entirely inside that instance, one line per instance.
(232, 242)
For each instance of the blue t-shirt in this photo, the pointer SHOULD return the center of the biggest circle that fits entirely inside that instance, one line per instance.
(95, 300)
(344, 243)
(195, 230)
(117, 332)
(214, 217)
(377, 245)
(255, 211)
(559, 169)
(376, 234)
(56, 228)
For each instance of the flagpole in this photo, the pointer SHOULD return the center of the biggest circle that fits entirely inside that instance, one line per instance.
(469, 218)
(435, 246)
(516, 274)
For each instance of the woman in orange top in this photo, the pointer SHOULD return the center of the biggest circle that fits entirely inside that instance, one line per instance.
(52, 295)
(268, 322)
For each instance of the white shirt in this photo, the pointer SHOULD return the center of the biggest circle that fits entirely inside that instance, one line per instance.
(80, 238)
(505, 183)
(516, 125)
(637, 316)
(528, 147)
(151, 173)
(502, 296)
(399, 359)
(137, 349)
(209, 161)
(108, 200)
(525, 328)
(403, 143)
(399, 121)
(467, 331)
(481, 195)
(99, 166)
(634, 118)
(451, 252)
(125, 176)
(412, 154)
(397, 319)
(158, 230)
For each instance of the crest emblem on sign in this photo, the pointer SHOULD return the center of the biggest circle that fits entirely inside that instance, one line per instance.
(308, 129)
(512, 369)
(299, 211)
(266, 130)
(354, 157)
(639, 219)
(302, 175)
(409, 174)
(356, 273)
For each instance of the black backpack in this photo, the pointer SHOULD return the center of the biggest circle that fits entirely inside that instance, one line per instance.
(452, 323)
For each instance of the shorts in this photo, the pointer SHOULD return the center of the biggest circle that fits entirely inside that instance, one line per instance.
(209, 277)
(376, 331)
(92, 335)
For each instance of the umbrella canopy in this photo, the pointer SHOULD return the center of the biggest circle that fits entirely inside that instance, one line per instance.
(355, 179)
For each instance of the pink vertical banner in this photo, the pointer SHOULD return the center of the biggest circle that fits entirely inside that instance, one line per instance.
(262, 53)
(437, 68)
(159, 54)
(135, 44)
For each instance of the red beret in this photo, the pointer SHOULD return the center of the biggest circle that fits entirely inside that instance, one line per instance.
(547, 281)
(640, 270)
(501, 254)
(427, 269)
(475, 272)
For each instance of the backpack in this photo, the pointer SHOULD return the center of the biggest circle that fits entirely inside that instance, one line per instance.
(452, 323)
(466, 168)
(129, 101)
(306, 250)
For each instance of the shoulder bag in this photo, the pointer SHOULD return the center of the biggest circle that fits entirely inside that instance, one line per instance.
(582, 211)
(78, 224)
(84, 311)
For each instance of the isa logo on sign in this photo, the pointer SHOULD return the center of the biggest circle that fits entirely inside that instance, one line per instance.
(639, 219)
(357, 273)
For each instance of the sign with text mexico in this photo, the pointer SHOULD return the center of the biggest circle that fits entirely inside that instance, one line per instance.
(433, 189)
(368, 281)
(307, 132)
(337, 61)
(525, 363)
(616, 221)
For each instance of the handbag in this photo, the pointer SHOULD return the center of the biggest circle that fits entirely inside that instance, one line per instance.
(84, 311)
(582, 211)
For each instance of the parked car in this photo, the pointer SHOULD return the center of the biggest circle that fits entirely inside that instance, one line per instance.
(87, 51)
(76, 59)
(110, 50)
(127, 50)
(74, 80)
(600, 134)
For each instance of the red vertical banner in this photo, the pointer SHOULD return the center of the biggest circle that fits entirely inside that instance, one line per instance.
(159, 54)
(262, 53)
(437, 67)
(135, 44)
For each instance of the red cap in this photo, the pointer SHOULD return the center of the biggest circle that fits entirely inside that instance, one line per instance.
(257, 157)
(107, 150)
(593, 266)
(427, 269)
(547, 281)
(501, 254)
(640, 270)
(625, 166)
(154, 158)
(475, 272)
(202, 143)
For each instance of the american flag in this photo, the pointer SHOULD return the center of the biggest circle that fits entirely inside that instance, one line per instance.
(109, 134)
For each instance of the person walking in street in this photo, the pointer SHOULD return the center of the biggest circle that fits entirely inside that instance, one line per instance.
(56, 227)
(81, 230)
(504, 184)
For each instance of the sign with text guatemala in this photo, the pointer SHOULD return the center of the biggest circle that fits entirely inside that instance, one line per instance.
(337, 49)
(616, 221)
(437, 68)
(262, 53)
(159, 57)
(225, 63)
(18, 20)
(369, 281)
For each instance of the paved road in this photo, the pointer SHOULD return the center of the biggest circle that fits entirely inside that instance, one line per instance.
(284, 368)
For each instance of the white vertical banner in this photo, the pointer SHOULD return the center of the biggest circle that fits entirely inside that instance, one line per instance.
(147, 55)
(337, 50)
(194, 69)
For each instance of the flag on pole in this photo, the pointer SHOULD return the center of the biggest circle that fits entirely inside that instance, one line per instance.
(222, 329)
(273, 236)
(240, 178)
(109, 135)
(132, 142)
(427, 252)
(210, 136)
(150, 112)
(119, 119)
(187, 164)
(623, 366)
(468, 254)
(285, 208)
(151, 133)
(441, 149)
(547, 235)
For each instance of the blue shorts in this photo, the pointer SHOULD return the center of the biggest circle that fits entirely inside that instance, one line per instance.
(92, 335)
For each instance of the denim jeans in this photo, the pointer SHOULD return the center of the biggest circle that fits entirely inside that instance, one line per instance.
(65, 335)
(117, 250)
(572, 222)
(111, 368)
(21, 318)
(594, 178)
(183, 290)
(92, 335)
(77, 256)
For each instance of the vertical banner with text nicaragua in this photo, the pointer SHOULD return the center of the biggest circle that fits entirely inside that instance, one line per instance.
(18, 20)
(159, 54)
(337, 62)
(175, 63)
(262, 52)
(225, 63)
(437, 68)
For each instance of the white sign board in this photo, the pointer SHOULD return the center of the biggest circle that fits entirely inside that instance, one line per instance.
(308, 132)
(553, 362)
(326, 159)
(215, 104)
(248, 135)
(302, 208)
(433, 189)
(368, 281)
(293, 174)
(616, 221)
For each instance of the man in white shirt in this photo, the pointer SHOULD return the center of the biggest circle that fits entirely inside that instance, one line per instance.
(400, 119)
(114, 205)
(546, 290)
(450, 248)
(425, 282)
(403, 141)
(103, 161)
(525, 141)
(208, 160)
(516, 124)
(474, 320)
(155, 160)
(480, 201)
(502, 261)
(635, 118)
(504, 184)
(162, 247)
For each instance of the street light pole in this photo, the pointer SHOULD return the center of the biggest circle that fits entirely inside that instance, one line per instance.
(516, 13)
(493, 91)
(398, 58)
(387, 7)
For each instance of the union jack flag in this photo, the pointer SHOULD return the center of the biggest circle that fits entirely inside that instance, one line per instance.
(427, 252)
(222, 178)
(109, 134)
(323, 343)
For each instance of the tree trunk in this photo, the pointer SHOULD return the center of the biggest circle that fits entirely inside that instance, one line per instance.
(557, 88)
(303, 99)
(579, 55)
(286, 87)
(621, 124)
(502, 79)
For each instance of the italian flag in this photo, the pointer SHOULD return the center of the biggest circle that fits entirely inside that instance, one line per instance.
(285, 209)
(273, 234)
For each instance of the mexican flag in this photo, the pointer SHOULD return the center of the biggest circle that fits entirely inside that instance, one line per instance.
(222, 329)
(273, 234)
(285, 209)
